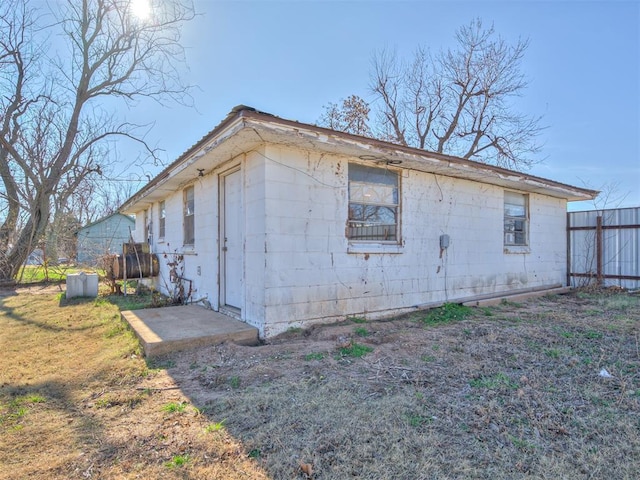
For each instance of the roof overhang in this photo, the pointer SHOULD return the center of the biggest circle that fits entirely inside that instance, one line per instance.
(246, 129)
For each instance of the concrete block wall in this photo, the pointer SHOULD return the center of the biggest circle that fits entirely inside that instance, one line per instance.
(253, 192)
(312, 276)
(300, 269)
(200, 259)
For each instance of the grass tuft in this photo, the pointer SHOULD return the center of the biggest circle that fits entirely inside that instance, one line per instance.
(361, 332)
(254, 453)
(355, 350)
(313, 356)
(215, 427)
(234, 382)
(494, 382)
(449, 312)
(33, 398)
(358, 319)
(178, 461)
(417, 420)
(175, 407)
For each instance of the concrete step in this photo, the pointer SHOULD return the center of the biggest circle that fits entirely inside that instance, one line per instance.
(171, 329)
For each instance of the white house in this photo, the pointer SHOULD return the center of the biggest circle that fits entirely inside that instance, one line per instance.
(285, 224)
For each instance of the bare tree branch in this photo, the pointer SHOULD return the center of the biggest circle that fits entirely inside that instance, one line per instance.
(55, 133)
(458, 101)
(352, 116)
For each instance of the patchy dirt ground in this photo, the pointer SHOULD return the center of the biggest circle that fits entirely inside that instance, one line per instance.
(549, 388)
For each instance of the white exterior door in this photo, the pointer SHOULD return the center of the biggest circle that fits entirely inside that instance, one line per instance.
(231, 241)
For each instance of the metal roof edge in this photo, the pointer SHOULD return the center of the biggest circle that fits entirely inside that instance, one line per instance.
(245, 114)
(582, 193)
(106, 217)
(235, 114)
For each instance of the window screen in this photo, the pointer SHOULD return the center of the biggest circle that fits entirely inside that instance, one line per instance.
(515, 218)
(373, 204)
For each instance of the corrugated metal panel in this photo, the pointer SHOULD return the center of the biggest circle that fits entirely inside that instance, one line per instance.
(620, 247)
(582, 219)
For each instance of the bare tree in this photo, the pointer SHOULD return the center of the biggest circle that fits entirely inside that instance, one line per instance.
(457, 102)
(610, 195)
(351, 116)
(57, 108)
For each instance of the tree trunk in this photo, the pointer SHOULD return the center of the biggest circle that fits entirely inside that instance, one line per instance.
(31, 234)
(13, 205)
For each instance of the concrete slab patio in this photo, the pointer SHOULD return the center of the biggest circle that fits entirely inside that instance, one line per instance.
(171, 329)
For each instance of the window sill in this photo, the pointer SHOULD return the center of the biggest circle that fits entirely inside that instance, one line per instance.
(517, 249)
(374, 248)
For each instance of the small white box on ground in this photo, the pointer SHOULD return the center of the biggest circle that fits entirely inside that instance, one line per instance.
(82, 285)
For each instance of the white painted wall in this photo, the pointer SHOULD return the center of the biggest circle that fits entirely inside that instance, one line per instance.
(300, 268)
(311, 276)
(253, 171)
(201, 259)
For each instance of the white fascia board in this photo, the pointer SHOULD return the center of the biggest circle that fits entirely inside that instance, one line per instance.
(455, 167)
(185, 170)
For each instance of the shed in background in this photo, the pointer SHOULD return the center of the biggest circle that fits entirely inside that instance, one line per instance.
(102, 237)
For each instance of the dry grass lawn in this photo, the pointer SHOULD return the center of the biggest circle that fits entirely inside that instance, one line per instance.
(77, 401)
(549, 388)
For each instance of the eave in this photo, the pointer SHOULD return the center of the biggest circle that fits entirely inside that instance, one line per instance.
(244, 129)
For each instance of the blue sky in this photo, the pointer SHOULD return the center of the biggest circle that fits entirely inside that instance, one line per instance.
(292, 58)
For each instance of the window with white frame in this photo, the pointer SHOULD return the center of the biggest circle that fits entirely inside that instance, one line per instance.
(189, 217)
(373, 204)
(516, 219)
(162, 218)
